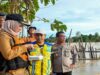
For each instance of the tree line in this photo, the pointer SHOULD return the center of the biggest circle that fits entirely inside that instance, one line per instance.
(83, 38)
(87, 38)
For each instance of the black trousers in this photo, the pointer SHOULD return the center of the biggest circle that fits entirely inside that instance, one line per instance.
(66, 73)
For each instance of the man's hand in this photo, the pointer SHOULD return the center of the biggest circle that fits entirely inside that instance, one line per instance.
(29, 46)
(72, 66)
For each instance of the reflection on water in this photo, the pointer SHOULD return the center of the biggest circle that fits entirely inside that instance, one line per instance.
(89, 67)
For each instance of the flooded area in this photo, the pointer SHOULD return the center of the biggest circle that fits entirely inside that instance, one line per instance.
(88, 67)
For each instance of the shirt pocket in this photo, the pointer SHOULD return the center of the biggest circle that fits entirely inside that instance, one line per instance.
(66, 52)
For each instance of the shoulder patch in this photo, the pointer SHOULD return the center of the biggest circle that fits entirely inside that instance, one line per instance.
(49, 44)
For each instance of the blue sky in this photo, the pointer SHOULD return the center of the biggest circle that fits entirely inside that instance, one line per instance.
(78, 15)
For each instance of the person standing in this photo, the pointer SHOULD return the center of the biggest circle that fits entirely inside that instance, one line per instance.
(63, 56)
(41, 48)
(31, 37)
(13, 57)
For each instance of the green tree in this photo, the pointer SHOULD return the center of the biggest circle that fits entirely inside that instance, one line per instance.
(96, 34)
(51, 39)
(85, 38)
(97, 37)
(27, 8)
(58, 26)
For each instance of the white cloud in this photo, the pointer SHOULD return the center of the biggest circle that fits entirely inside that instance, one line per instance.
(80, 15)
(84, 28)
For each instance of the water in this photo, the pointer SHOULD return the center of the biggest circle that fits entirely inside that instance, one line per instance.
(89, 67)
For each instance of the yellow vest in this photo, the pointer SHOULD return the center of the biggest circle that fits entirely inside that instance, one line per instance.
(41, 67)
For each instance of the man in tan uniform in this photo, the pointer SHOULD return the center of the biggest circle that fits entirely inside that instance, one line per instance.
(63, 57)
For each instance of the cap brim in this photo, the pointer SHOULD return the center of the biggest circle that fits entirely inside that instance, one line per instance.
(39, 33)
(25, 24)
